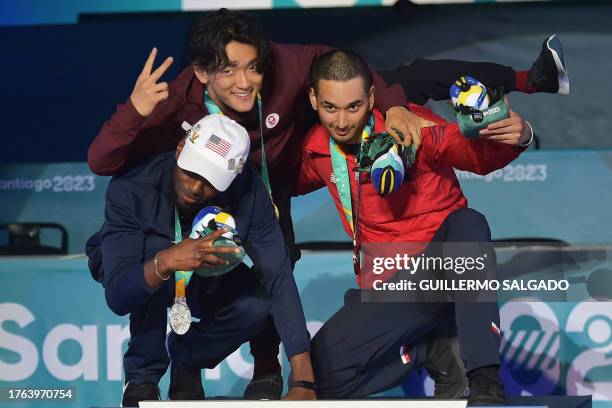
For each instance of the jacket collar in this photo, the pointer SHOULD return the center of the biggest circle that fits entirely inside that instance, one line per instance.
(318, 142)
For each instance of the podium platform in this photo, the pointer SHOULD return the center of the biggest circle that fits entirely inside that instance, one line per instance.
(397, 403)
(556, 401)
(514, 402)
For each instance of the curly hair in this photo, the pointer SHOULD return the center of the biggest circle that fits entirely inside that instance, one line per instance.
(211, 34)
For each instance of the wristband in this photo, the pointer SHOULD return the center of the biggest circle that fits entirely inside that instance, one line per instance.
(303, 384)
(530, 139)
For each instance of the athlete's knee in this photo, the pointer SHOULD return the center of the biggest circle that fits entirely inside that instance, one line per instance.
(334, 377)
(252, 310)
(471, 220)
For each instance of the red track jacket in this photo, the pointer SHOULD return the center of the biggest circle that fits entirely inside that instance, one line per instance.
(432, 192)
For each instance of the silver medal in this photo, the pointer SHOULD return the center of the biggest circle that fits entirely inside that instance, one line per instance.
(180, 316)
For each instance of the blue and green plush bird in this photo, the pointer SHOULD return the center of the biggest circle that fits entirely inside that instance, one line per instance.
(386, 161)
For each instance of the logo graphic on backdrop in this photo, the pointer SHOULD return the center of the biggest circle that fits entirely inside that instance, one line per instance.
(546, 348)
(516, 172)
(57, 184)
(542, 356)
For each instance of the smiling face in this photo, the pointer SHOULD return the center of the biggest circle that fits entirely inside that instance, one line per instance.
(234, 86)
(343, 107)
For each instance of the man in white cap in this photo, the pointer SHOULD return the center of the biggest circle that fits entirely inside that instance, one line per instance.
(153, 205)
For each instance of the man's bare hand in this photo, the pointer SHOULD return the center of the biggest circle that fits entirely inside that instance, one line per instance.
(301, 369)
(147, 93)
(193, 254)
(405, 126)
(513, 130)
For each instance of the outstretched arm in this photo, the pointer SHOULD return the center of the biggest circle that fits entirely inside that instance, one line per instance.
(497, 146)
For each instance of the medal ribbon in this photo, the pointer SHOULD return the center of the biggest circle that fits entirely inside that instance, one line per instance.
(181, 278)
(213, 109)
(341, 176)
(341, 173)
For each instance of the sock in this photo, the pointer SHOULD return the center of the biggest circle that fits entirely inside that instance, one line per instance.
(522, 84)
(264, 367)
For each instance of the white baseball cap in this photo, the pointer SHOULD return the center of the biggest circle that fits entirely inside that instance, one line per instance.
(216, 148)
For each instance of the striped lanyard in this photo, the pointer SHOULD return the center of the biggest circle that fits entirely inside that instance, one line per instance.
(343, 184)
(181, 278)
(213, 109)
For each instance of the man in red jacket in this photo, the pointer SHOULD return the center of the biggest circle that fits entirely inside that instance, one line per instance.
(366, 348)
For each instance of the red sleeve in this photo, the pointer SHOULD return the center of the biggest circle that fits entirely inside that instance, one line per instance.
(445, 146)
(386, 96)
(426, 113)
(128, 137)
(308, 179)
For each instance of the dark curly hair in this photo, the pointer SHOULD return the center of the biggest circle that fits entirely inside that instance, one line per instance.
(211, 34)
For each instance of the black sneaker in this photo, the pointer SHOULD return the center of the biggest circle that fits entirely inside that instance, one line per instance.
(185, 384)
(549, 72)
(266, 387)
(485, 387)
(446, 368)
(133, 393)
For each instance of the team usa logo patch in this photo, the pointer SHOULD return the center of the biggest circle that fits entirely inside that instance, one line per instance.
(404, 354)
(218, 145)
(272, 120)
(234, 166)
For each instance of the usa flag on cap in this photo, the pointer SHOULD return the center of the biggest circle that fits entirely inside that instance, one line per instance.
(218, 145)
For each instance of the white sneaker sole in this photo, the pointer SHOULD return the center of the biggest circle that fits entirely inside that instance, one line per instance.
(559, 58)
(123, 392)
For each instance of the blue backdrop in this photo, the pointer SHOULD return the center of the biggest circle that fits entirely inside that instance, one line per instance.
(57, 332)
(55, 329)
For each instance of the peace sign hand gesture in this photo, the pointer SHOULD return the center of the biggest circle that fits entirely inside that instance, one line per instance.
(147, 93)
